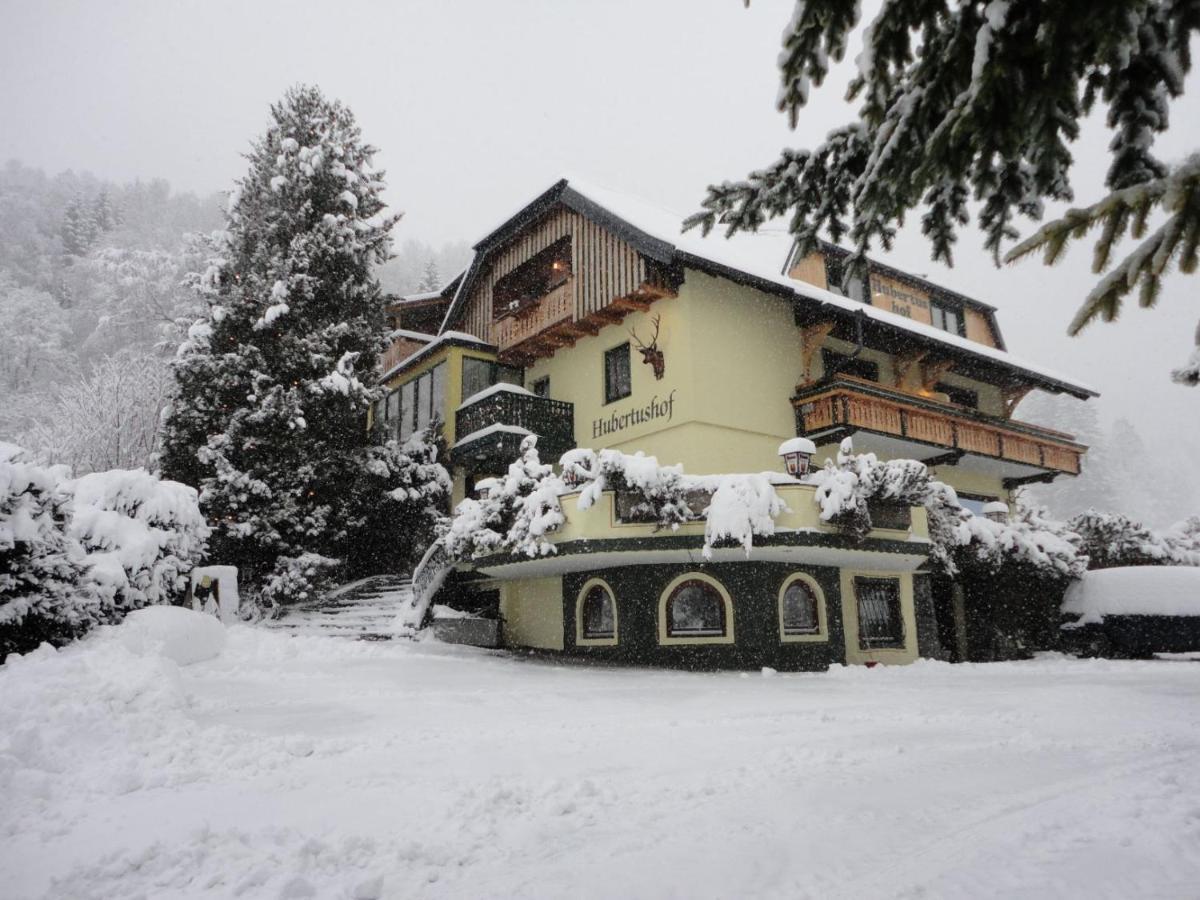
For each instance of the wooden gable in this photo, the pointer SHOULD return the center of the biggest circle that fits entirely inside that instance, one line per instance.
(608, 278)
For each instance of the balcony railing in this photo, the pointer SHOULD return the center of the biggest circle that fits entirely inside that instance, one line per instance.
(553, 421)
(534, 318)
(851, 404)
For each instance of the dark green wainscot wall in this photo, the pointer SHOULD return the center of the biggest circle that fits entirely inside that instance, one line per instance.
(754, 590)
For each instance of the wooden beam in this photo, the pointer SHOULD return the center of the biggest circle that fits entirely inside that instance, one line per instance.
(811, 339)
(1012, 396)
(932, 372)
(630, 304)
(608, 316)
(580, 328)
(906, 362)
(654, 291)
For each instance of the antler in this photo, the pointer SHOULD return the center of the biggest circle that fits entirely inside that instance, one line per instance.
(657, 320)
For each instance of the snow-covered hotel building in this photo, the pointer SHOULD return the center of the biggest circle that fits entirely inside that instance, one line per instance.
(615, 330)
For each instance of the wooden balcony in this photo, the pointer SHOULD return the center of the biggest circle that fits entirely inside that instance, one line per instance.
(935, 432)
(535, 318)
(489, 431)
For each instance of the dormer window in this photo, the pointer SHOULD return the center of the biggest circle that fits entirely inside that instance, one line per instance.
(533, 279)
(948, 318)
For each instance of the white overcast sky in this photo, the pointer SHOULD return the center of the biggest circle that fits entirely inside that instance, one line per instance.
(476, 105)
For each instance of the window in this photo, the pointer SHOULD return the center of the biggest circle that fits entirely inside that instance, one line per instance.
(799, 608)
(961, 396)
(438, 376)
(480, 374)
(541, 387)
(408, 409)
(424, 400)
(532, 280)
(880, 623)
(975, 503)
(856, 367)
(695, 609)
(885, 514)
(617, 380)
(597, 614)
(947, 318)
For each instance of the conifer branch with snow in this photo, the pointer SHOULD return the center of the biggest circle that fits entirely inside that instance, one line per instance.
(981, 100)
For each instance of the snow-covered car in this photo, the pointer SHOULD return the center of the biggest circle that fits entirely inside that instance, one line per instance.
(1133, 611)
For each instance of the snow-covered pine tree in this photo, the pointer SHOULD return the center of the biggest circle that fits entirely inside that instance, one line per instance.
(79, 226)
(274, 385)
(980, 99)
(430, 279)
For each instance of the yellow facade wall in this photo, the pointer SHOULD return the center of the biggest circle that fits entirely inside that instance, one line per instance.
(532, 610)
(855, 655)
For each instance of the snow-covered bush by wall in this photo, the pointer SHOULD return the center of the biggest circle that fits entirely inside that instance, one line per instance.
(742, 506)
(519, 510)
(83, 552)
(850, 483)
(516, 513)
(142, 535)
(661, 492)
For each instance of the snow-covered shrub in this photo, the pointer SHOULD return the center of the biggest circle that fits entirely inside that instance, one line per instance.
(847, 487)
(742, 506)
(1184, 539)
(1112, 540)
(661, 492)
(298, 578)
(515, 514)
(1029, 537)
(142, 535)
(396, 504)
(44, 591)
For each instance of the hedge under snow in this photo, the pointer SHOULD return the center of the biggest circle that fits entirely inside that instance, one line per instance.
(75, 553)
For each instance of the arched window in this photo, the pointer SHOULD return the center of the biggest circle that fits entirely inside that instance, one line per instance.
(801, 612)
(695, 609)
(596, 614)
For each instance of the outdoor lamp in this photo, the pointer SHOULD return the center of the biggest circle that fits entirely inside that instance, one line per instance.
(797, 453)
(995, 510)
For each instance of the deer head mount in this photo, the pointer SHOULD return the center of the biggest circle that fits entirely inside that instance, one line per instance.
(651, 355)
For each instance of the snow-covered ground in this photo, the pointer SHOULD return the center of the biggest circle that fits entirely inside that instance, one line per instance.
(315, 767)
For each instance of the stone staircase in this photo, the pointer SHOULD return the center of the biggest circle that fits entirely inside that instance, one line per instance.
(362, 610)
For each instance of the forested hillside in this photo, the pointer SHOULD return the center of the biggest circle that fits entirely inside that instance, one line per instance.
(94, 299)
(92, 304)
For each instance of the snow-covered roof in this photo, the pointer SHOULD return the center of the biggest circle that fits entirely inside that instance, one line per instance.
(421, 296)
(413, 335)
(498, 428)
(445, 338)
(757, 258)
(494, 389)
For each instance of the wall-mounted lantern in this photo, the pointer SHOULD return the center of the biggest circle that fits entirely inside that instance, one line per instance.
(995, 510)
(797, 454)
